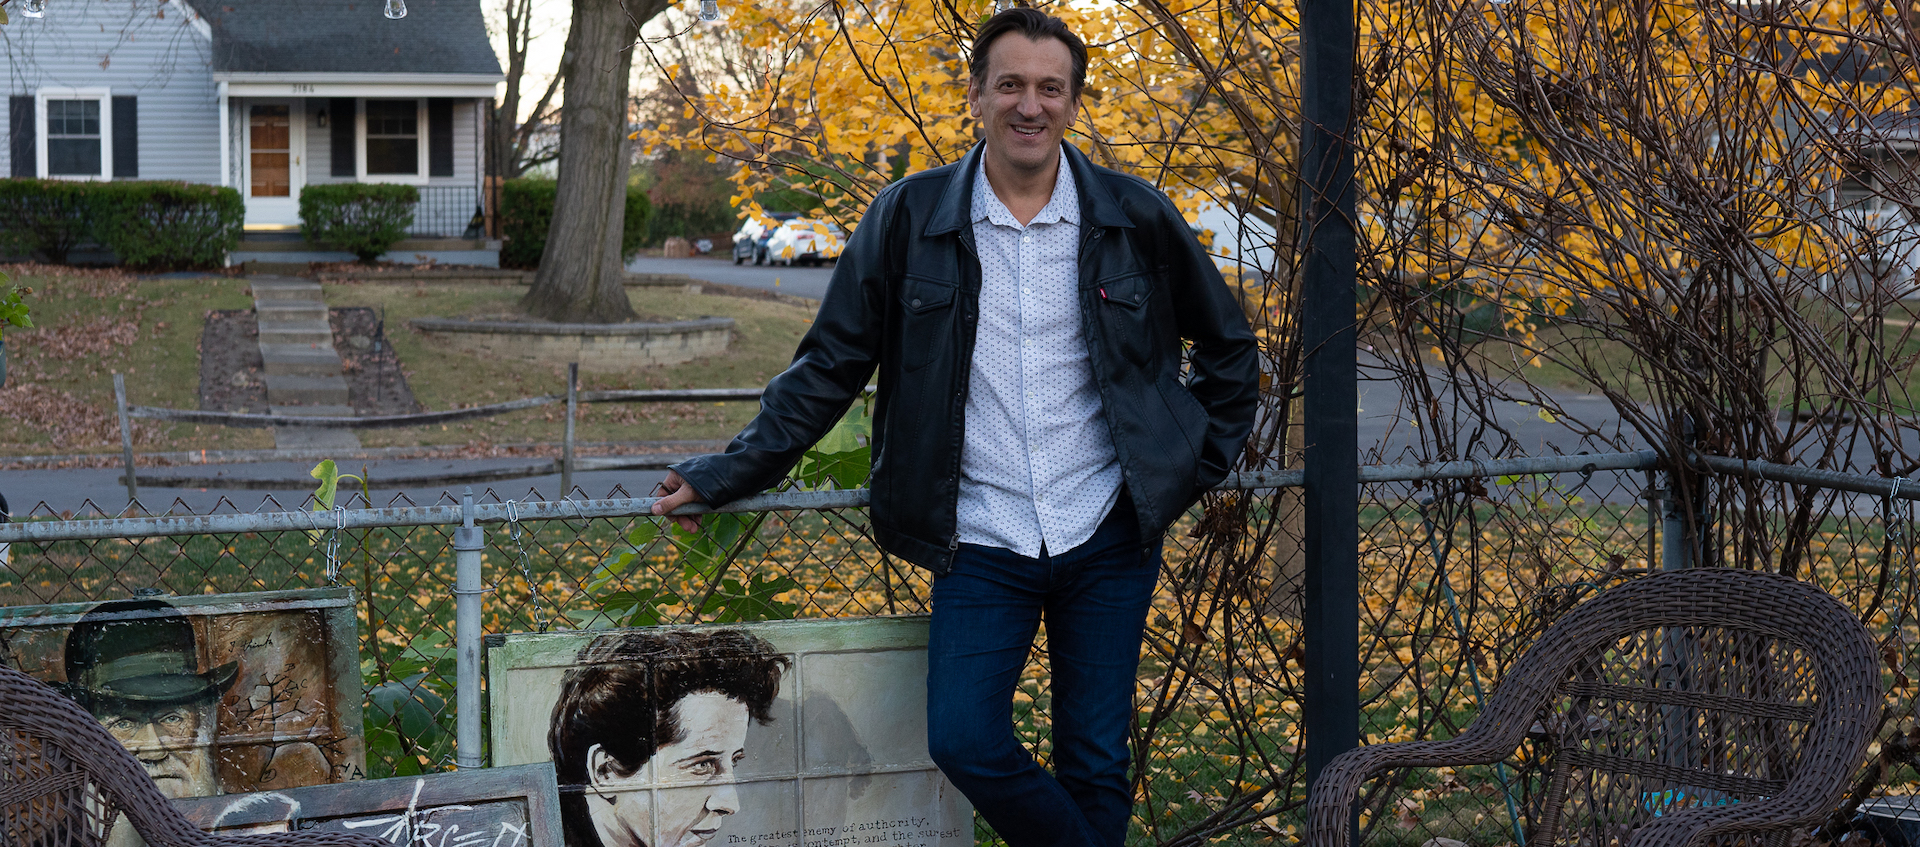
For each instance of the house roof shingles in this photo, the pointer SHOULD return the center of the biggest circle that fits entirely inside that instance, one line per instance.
(348, 36)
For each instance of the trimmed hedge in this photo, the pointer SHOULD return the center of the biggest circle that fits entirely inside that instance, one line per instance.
(361, 218)
(168, 225)
(526, 213)
(45, 216)
(148, 225)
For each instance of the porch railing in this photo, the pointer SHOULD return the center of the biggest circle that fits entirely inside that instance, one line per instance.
(446, 211)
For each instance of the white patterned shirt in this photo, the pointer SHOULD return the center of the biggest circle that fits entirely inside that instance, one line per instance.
(1038, 466)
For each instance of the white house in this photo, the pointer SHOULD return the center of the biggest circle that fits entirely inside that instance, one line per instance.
(267, 96)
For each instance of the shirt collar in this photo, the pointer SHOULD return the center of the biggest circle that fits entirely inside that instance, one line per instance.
(1064, 205)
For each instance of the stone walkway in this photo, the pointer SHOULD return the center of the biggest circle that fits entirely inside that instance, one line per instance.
(304, 375)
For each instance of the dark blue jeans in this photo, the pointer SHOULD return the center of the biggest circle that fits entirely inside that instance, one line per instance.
(986, 611)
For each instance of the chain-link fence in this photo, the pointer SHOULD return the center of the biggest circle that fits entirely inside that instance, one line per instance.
(1463, 564)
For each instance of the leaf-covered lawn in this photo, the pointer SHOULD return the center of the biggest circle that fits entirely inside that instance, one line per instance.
(89, 323)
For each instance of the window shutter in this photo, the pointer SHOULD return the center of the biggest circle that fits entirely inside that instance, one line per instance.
(20, 135)
(340, 117)
(126, 138)
(440, 136)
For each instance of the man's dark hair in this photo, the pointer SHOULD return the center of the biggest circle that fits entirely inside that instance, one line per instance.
(1035, 25)
(625, 692)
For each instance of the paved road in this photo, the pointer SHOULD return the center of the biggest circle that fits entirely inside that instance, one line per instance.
(798, 281)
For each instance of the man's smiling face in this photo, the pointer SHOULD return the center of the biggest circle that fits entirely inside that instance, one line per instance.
(1025, 102)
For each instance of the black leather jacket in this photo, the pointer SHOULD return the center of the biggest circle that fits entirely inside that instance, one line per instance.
(904, 298)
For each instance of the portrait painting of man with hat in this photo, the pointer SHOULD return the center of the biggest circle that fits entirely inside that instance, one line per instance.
(135, 665)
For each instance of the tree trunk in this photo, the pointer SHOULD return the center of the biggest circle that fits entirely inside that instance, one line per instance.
(581, 273)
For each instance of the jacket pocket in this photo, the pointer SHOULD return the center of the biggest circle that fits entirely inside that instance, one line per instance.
(1125, 313)
(926, 325)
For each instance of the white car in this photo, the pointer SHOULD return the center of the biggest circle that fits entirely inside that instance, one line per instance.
(804, 241)
(750, 243)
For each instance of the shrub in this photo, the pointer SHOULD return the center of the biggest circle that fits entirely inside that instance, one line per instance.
(689, 221)
(167, 225)
(45, 216)
(363, 219)
(526, 213)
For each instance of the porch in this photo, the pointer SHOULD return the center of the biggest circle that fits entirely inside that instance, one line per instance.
(364, 132)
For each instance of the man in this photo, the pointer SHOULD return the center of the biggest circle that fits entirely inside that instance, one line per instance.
(1033, 437)
(680, 699)
(132, 663)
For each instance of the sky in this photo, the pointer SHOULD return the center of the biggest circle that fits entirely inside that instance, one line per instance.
(550, 40)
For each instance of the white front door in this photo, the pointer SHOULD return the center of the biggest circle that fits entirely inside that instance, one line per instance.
(275, 156)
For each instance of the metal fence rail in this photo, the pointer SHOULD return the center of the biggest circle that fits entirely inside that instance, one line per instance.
(448, 515)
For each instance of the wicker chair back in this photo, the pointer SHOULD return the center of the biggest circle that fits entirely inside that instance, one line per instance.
(64, 781)
(1702, 706)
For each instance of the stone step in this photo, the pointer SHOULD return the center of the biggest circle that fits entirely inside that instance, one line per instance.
(303, 371)
(286, 289)
(289, 310)
(306, 391)
(305, 333)
(300, 360)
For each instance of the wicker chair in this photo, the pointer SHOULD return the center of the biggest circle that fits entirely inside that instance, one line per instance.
(1691, 707)
(64, 780)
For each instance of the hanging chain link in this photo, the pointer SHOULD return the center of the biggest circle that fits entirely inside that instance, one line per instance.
(526, 566)
(1899, 532)
(333, 546)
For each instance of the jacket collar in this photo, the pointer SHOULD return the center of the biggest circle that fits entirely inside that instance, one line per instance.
(955, 207)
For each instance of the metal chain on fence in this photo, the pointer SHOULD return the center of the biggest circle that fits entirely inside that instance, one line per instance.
(333, 546)
(526, 566)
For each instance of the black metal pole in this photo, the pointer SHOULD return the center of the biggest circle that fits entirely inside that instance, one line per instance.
(1331, 616)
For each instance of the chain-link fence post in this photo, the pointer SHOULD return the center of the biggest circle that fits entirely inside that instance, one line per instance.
(1681, 534)
(468, 541)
